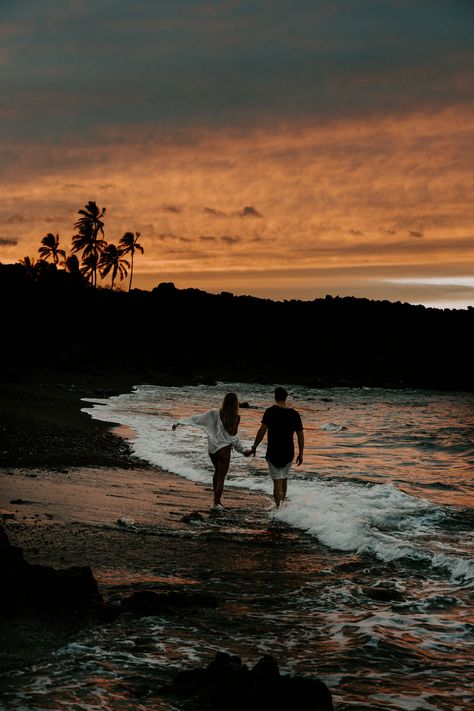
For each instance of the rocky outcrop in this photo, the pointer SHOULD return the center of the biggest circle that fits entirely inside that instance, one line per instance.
(41, 587)
(228, 685)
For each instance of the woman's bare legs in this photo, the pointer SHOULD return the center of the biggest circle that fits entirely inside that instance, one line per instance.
(221, 462)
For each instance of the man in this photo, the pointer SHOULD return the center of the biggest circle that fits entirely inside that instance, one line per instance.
(281, 422)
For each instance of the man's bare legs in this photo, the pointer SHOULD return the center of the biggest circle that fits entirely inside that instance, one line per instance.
(221, 462)
(279, 491)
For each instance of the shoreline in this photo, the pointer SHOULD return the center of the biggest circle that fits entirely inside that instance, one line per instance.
(66, 480)
(129, 526)
(40, 508)
(129, 521)
(44, 426)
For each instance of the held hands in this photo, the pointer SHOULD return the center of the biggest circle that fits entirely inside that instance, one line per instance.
(250, 451)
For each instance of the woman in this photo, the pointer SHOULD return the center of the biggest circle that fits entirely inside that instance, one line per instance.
(221, 427)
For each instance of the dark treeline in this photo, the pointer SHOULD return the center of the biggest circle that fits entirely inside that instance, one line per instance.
(60, 322)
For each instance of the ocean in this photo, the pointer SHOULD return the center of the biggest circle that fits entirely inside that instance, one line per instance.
(364, 578)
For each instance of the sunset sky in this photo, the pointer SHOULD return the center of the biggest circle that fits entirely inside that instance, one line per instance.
(282, 148)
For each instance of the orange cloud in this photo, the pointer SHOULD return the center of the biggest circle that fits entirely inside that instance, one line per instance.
(384, 191)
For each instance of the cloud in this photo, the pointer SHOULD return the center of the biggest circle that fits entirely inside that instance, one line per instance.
(356, 233)
(171, 208)
(53, 219)
(170, 236)
(8, 242)
(227, 239)
(214, 213)
(218, 64)
(415, 233)
(249, 212)
(405, 249)
(17, 220)
(313, 184)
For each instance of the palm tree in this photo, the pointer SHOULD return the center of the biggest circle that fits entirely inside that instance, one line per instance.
(50, 248)
(73, 268)
(89, 266)
(111, 260)
(29, 265)
(37, 269)
(71, 265)
(129, 244)
(89, 227)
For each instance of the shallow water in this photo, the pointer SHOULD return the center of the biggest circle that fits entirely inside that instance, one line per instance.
(364, 579)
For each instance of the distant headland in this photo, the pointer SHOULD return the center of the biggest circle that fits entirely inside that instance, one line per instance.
(55, 319)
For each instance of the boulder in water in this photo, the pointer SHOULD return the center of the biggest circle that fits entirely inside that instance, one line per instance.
(229, 685)
(42, 587)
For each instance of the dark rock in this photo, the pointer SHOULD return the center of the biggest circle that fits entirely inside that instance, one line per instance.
(191, 681)
(244, 405)
(221, 661)
(42, 587)
(19, 502)
(303, 694)
(105, 393)
(192, 517)
(4, 540)
(326, 399)
(228, 685)
(207, 381)
(384, 594)
(70, 587)
(148, 603)
(232, 687)
(266, 669)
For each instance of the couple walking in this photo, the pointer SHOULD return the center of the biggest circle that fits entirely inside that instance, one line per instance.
(279, 422)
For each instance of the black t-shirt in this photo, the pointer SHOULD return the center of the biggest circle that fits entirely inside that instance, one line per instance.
(282, 423)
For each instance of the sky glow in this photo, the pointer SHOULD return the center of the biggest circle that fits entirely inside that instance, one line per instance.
(283, 149)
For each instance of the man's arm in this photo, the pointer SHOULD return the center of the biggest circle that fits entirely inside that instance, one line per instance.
(259, 436)
(300, 436)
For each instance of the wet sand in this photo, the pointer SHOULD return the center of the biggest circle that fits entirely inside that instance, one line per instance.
(72, 494)
(102, 516)
(127, 525)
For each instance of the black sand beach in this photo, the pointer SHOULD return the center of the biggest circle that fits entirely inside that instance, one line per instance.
(78, 498)
(71, 494)
(42, 423)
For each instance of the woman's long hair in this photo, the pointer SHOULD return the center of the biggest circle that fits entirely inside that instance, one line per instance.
(229, 413)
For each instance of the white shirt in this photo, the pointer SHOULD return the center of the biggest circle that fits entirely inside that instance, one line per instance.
(217, 436)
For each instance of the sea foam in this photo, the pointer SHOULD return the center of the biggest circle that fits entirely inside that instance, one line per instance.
(354, 516)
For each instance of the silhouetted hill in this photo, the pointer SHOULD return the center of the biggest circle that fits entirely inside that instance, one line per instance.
(63, 323)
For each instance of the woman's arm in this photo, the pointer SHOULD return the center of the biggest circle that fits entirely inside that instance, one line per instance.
(204, 419)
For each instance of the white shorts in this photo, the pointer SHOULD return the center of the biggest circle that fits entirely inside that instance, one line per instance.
(279, 472)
